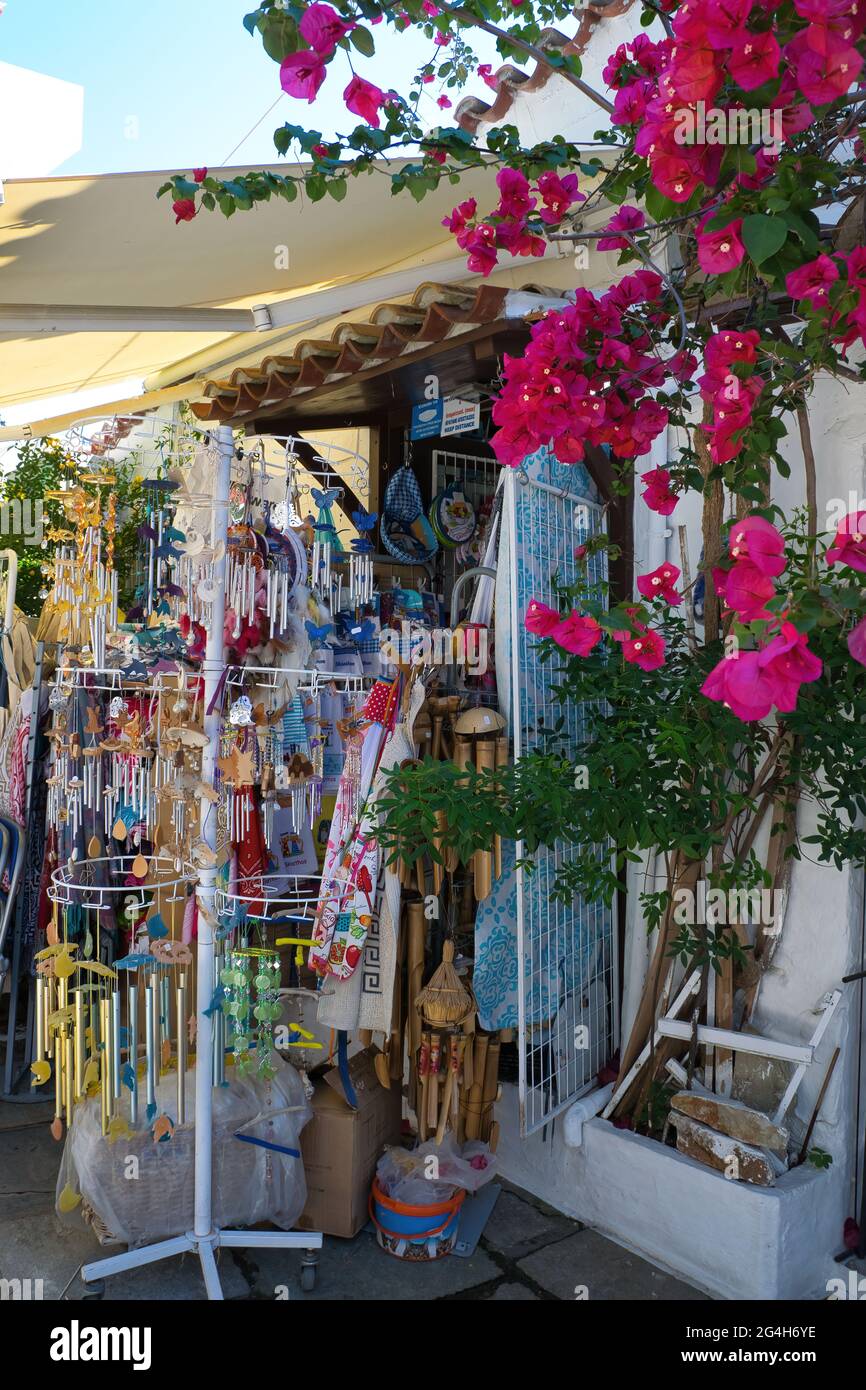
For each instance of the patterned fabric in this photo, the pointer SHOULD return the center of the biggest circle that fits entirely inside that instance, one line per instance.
(566, 939)
(405, 531)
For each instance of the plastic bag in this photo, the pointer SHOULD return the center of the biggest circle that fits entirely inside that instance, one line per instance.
(434, 1172)
(140, 1191)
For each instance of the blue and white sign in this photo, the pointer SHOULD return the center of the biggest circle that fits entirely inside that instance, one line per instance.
(438, 419)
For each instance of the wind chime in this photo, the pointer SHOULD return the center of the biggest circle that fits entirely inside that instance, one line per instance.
(480, 742)
(327, 549)
(79, 1035)
(251, 1003)
(361, 560)
(84, 581)
(162, 550)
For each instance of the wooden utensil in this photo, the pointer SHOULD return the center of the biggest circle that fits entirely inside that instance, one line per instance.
(416, 935)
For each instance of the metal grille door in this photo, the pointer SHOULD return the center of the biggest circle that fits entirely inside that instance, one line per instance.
(567, 958)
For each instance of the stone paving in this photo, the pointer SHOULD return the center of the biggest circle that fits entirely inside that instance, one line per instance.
(528, 1251)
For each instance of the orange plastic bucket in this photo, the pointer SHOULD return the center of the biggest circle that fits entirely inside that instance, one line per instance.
(415, 1232)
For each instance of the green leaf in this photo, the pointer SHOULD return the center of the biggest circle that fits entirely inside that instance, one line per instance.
(763, 236)
(337, 189)
(363, 40)
(184, 188)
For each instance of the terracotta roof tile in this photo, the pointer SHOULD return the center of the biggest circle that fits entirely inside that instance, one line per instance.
(472, 112)
(434, 314)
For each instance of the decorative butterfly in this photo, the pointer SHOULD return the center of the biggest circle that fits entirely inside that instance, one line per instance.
(365, 521)
(326, 498)
(147, 533)
(363, 632)
(317, 634)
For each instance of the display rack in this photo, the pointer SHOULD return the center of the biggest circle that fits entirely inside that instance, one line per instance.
(205, 1239)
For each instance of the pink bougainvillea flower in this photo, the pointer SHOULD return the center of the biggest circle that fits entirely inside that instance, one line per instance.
(442, 40)
(695, 73)
(199, 175)
(184, 210)
(514, 237)
(657, 491)
(645, 649)
(739, 682)
(540, 619)
(364, 99)
(755, 60)
(660, 583)
(682, 366)
(812, 281)
(322, 28)
(302, 74)
(557, 195)
(443, 103)
(485, 72)
(627, 219)
(429, 9)
(577, 634)
(857, 642)
(747, 590)
(788, 662)
(481, 246)
(825, 65)
(674, 176)
(460, 218)
(630, 103)
(849, 546)
(514, 199)
(725, 21)
(721, 251)
(758, 541)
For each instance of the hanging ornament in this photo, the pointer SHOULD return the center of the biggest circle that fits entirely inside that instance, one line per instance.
(241, 711)
(327, 545)
(361, 563)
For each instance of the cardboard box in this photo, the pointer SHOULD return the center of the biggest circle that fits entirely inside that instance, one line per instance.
(342, 1146)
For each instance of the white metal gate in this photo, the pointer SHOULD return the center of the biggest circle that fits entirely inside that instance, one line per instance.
(568, 1005)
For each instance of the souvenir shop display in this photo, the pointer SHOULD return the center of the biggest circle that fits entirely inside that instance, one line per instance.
(134, 1019)
(221, 913)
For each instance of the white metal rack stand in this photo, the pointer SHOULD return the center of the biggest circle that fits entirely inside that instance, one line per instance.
(205, 1239)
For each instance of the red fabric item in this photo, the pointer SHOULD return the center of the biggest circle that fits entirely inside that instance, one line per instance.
(251, 852)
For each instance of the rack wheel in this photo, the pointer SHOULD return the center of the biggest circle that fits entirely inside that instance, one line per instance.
(309, 1271)
(95, 1289)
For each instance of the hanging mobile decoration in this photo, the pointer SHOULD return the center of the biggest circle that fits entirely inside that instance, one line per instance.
(327, 548)
(361, 563)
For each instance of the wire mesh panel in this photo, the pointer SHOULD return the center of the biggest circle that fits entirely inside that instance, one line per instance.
(478, 478)
(567, 957)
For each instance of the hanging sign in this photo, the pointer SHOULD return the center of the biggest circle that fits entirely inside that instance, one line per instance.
(437, 419)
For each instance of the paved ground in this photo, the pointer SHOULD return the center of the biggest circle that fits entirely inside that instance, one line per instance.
(528, 1251)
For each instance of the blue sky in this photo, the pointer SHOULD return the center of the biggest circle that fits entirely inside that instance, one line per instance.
(169, 84)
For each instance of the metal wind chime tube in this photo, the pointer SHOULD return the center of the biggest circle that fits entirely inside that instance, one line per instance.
(132, 1051)
(180, 1006)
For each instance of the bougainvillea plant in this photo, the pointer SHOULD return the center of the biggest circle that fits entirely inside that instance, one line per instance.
(728, 175)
